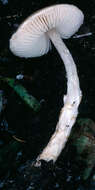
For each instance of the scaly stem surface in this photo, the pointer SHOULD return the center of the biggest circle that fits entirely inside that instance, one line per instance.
(72, 100)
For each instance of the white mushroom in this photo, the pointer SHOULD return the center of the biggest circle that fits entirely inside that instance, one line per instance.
(32, 39)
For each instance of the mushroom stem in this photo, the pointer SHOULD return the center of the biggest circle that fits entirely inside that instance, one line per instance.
(72, 100)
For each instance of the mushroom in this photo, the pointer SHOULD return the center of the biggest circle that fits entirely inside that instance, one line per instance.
(33, 38)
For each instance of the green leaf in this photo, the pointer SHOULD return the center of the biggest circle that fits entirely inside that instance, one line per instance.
(22, 92)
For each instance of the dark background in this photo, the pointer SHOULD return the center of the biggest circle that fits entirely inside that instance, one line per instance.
(48, 73)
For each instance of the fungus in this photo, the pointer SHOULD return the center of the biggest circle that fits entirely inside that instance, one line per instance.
(32, 39)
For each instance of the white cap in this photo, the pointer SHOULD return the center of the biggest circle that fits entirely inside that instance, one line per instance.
(31, 38)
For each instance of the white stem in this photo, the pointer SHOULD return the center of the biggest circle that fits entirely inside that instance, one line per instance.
(69, 112)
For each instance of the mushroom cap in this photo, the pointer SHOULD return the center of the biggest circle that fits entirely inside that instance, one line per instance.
(31, 39)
